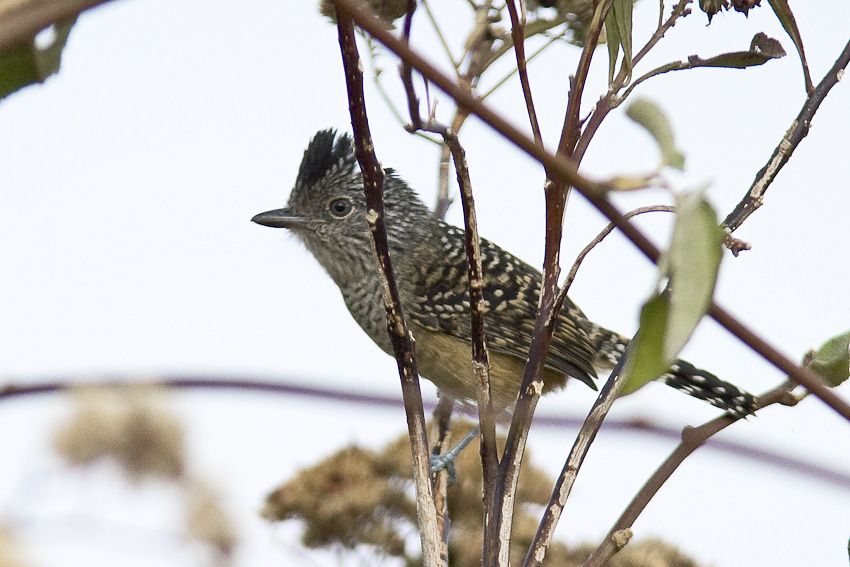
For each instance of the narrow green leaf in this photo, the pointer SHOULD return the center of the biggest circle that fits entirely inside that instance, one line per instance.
(623, 17)
(613, 40)
(651, 117)
(693, 262)
(786, 18)
(646, 358)
(27, 64)
(618, 30)
(832, 360)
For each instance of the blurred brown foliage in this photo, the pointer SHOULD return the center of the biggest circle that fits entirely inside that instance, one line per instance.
(361, 497)
(130, 426)
(126, 425)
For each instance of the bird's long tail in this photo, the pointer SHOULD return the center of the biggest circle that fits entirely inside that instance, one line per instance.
(682, 375)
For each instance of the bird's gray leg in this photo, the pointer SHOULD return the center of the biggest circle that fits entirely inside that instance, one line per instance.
(447, 460)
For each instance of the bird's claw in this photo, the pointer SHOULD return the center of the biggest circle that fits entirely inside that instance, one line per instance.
(447, 462)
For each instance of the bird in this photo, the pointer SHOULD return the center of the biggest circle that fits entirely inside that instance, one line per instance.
(327, 210)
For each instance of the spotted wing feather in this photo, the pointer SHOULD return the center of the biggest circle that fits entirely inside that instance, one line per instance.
(511, 294)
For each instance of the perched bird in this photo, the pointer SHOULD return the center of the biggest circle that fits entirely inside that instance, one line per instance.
(326, 211)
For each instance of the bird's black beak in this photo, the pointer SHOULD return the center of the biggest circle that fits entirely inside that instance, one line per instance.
(280, 218)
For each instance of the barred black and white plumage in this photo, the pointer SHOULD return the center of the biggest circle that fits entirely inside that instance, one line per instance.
(682, 376)
(327, 213)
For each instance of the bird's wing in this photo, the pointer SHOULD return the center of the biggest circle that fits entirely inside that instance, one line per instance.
(440, 302)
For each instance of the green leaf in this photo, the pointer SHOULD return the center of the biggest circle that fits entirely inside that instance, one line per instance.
(832, 360)
(623, 16)
(28, 64)
(693, 263)
(646, 360)
(612, 36)
(618, 29)
(651, 117)
(786, 18)
(762, 49)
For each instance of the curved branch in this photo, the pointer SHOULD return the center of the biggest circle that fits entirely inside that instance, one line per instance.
(799, 129)
(11, 392)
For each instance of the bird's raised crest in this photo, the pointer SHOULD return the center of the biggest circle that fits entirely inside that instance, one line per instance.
(325, 153)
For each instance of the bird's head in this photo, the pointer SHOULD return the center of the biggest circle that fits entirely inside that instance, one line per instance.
(327, 208)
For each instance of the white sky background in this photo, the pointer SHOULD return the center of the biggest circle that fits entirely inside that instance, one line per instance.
(129, 180)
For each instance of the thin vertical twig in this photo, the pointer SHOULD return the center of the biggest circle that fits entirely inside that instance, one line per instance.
(556, 191)
(440, 443)
(480, 356)
(518, 36)
(475, 278)
(566, 480)
(400, 336)
(495, 86)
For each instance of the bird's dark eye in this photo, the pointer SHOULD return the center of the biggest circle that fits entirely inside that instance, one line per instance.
(340, 207)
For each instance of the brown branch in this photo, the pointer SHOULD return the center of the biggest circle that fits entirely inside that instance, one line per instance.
(518, 36)
(692, 439)
(475, 278)
(564, 484)
(440, 438)
(789, 142)
(400, 336)
(590, 427)
(282, 387)
(480, 356)
(565, 170)
(556, 190)
(571, 276)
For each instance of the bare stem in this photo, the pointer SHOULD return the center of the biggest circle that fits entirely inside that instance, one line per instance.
(440, 438)
(480, 356)
(518, 36)
(789, 142)
(566, 480)
(400, 336)
(475, 278)
(556, 191)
